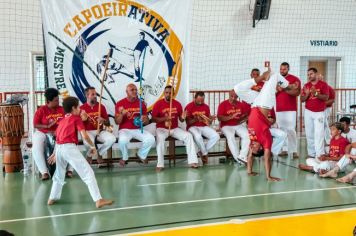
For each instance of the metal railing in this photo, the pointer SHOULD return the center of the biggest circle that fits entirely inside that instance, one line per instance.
(344, 98)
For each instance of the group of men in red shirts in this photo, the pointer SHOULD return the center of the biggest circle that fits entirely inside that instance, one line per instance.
(264, 118)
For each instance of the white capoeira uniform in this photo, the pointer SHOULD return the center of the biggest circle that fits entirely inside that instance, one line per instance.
(105, 138)
(147, 139)
(326, 125)
(345, 161)
(69, 154)
(180, 134)
(162, 109)
(200, 129)
(266, 98)
(314, 119)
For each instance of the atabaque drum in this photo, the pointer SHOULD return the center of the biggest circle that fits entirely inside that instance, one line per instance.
(11, 131)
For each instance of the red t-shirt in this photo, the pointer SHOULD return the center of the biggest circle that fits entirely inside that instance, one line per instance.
(258, 86)
(337, 147)
(258, 128)
(67, 131)
(331, 95)
(193, 109)
(161, 109)
(226, 108)
(313, 103)
(44, 116)
(133, 109)
(284, 101)
(93, 113)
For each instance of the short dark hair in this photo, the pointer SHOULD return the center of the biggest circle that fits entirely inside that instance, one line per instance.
(69, 103)
(255, 69)
(338, 126)
(345, 119)
(88, 88)
(199, 94)
(260, 153)
(168, 87)
(143, 34)
(313, 69)
(285, 64)
(50, 94)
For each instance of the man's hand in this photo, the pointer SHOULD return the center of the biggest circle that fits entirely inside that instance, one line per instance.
(323, 158)
(51, 159)
(53, 122)
(122, 110)
(100, 120)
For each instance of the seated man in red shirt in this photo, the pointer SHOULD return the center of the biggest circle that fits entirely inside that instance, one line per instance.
(127, 110)
(233, 115)
(67, 152)
(168, 126)
(90, 116)
(198, 121)
(46, 121)
(325, 163)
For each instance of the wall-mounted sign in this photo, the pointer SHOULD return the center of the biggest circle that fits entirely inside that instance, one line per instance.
(323, 43)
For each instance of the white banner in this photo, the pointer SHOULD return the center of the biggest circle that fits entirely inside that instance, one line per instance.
(149, 40)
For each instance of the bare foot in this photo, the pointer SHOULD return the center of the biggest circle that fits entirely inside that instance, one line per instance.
(305, 167)
(51, 202)
(252, 173)
(329, 174)
(194, 166)
(322, 172)
(99, 159)
(69, 174)
(295, 155)
(159, 169)
(89, 159)
(45, 176)
(103, 202)
(122, 163)
(273, 179)
(283, 154)
(345, 179)
(204, 159)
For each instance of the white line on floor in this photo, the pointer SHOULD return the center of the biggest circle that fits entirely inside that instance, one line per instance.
(178, 182)
(173, 203)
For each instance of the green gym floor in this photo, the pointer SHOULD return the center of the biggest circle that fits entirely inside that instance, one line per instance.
(178, 196)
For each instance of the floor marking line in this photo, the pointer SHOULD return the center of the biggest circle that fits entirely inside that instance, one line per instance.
(174, 203)
(232, 221)
(166, 183)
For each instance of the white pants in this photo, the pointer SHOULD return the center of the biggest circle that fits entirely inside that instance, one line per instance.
(286, 121)
(38, 149)
(326, 127)
(314, 130)
(147, 139)
(267, 97)
(242, 132)
(179, 134)
(320, 165)
(69, 153)
(344, 161)
(279, 138)
(207, 132)
(106, 138)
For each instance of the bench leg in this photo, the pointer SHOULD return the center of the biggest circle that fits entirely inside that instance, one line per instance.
(109, 156)
(172, 154)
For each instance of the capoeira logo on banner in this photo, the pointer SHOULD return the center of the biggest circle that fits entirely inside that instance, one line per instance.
(143, 44)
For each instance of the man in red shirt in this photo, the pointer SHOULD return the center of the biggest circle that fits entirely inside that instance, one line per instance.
(337, 149)
(198, 122)
(233, 115)
(90, 116)
(67, 152)
(329, 103)
(126, 111)
(260, 121)
(286, 111)
(315, 93)
(46, 121)
(160, 115)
